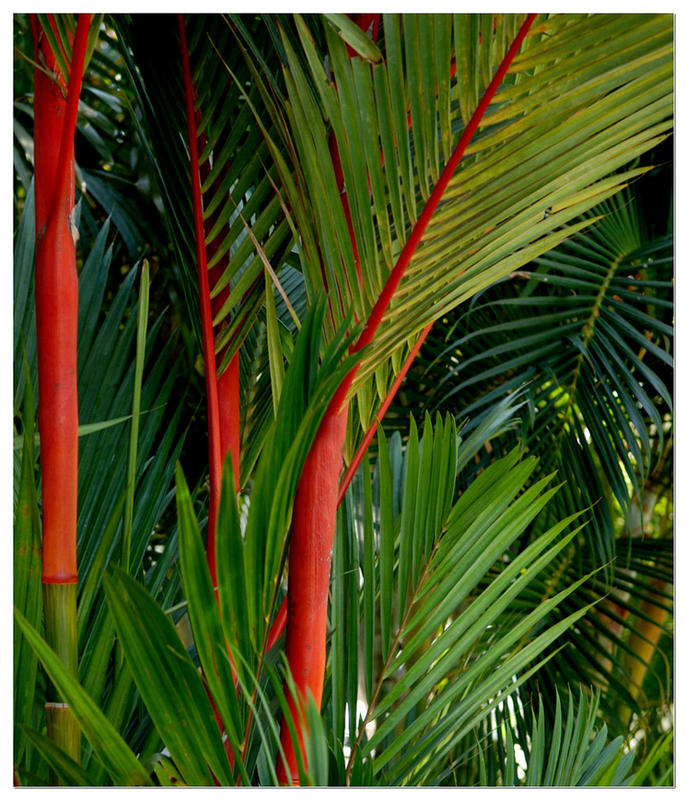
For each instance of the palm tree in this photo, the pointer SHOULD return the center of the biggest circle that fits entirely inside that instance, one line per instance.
(351, 182)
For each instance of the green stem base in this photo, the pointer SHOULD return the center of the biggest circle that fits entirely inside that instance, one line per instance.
(60, 632)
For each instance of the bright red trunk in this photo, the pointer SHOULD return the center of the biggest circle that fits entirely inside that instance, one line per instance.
(312, 532)
(312, 539)
(57, 299)
(228, 382)
(57, 307)
(214, 448)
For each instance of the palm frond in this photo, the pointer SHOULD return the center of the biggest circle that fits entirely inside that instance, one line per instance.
(236, 183)
(111, 175)
(27, 582)
(117, 759)
(437, 653)
(230, 627)
(608, 105)
(589, 332)
(573, 751)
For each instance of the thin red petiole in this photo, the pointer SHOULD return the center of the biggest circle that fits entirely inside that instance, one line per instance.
(214, 443)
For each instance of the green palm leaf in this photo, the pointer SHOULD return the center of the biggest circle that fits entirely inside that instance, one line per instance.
(590, 333)
(64, 767)
(467, 588)
(109, 170)
(233, 626)
(427, 690)
(572, 750)
(27, 583)
(236, 180)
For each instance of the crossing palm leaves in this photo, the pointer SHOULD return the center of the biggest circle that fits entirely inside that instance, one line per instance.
(112, 174)
(590, 332)
(236, 182)
(468, 582)
(573, 750)
(230, 629)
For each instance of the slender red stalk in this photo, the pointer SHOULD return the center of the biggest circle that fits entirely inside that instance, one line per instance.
(222, 392)
(65, 171)
(228, 382)
(57, 298)
(363, 21)
(314, 516)
(281, 617)
(369, 434)
(214, 443)
(310, 551)
(57, 306)
(278, 625)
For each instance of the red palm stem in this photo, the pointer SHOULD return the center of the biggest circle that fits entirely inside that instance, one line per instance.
(310, 551)
(228, 382)
(214, 444)
(312, 535)
(277, 626)
(416, 234)
(281, 617)
(66, 155)
(57, 299)
(57, 310)
(222, 392)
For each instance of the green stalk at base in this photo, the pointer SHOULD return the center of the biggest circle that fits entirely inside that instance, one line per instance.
(59, 602)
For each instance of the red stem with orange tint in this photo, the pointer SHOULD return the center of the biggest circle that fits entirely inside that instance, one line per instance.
(281, 617)
(228, 382)
(57, 306)
(222, 392)
(310, 550)
(57, 299)
(312, 535)
(413, 241)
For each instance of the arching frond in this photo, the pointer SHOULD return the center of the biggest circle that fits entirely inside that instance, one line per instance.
(565, 120)
(237, 179)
